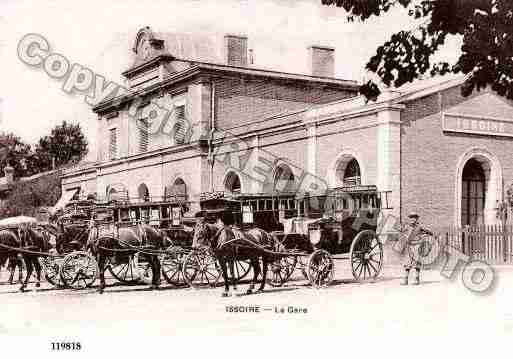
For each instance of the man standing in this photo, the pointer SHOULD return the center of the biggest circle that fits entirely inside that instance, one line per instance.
(412, 237)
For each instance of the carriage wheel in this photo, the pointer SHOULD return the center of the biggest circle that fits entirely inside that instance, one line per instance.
(172, 265)
(79, 270)
(366, 255)
(320, 268)
(126, 271)
(201, 269)
(281, 270)
(241, 268)
(52, 267)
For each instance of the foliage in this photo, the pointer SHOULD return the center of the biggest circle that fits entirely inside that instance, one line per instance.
(27, 196)
(486, 28)
(14, 151)
(66, 144)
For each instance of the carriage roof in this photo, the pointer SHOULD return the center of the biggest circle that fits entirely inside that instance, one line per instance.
(15, 222)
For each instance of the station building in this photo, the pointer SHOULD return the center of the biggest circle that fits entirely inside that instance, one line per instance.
(230, 126)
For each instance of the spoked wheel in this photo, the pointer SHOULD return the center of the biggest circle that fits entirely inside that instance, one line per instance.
(125, 269)
(320, 268)
(241, 269)
(281, 270)
(52, 267)
(201, 269)
(79, 270)
(366, 255)
(172, 266)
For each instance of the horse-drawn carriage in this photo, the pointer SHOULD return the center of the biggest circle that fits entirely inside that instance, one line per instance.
(308, 232)
(138, 241)
(31, 240)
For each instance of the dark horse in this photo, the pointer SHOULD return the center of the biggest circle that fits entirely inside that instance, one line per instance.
(231, 244)
(125, 243)
(10, 238)
(28, 240)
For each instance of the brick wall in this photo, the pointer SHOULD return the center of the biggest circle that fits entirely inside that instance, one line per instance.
(429, 157)
(241, 101)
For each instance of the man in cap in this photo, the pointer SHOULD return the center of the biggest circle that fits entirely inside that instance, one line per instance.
(413, 245)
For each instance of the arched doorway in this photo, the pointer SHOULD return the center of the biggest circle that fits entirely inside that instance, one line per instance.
(478, 188)
(143, 193)
(232, 183)
(284, 180)
(473, 193)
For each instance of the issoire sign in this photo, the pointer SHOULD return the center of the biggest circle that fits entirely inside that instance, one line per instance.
(477, 125)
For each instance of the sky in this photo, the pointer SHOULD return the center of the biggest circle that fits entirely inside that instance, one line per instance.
(100, 34)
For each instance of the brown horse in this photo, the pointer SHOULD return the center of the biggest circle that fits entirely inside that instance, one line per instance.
(125, 243)
(230, 244)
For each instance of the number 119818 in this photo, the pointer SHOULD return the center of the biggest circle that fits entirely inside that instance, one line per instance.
(65, 346)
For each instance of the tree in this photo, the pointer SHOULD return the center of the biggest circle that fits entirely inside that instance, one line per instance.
(65, 144)
(486, 28)
(14, 151)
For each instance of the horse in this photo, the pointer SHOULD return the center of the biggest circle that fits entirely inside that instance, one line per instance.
(10, 238)
(231, 244)
(126, 243)
(27, 239)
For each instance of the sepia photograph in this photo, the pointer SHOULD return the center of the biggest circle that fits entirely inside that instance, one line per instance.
(303, 178)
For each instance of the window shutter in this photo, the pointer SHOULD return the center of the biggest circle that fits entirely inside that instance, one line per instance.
(113, 146)
(180, 128)
(143, 135)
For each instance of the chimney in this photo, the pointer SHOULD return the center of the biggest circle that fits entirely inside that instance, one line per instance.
(321, 61)
(9, 174)
(251, 57)
(236, 50)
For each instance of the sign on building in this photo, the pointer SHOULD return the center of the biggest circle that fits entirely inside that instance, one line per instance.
(477, 125)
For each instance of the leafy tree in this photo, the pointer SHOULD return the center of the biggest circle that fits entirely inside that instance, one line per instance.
(486, 28)
(65, 144)
(14, 151)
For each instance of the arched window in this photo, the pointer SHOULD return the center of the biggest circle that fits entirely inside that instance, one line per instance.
(473, 193)
(143, 192)
(116, 192)
(176, 191)
(232, 183)
(284, 180)
(348, 172)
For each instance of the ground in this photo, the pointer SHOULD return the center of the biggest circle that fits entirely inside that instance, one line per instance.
(438, 305)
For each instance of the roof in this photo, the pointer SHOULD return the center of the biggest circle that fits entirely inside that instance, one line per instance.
(15, 221)
(183, 46)
(201, 67)
(193, 47)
